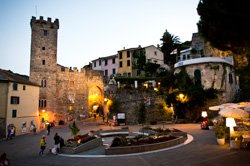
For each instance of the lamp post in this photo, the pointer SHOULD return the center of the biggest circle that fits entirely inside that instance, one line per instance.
(230, 122)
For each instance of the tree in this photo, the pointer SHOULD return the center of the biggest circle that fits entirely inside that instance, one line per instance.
(151, 69)
(140, 62)
(224, 23)
(169, 44)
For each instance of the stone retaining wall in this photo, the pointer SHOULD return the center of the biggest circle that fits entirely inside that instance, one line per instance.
(84, 147)
(144, 148)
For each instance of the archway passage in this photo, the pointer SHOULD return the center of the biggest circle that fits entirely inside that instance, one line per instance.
(95, 101)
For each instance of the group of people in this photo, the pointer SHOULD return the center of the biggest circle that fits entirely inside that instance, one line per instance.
(58, 143)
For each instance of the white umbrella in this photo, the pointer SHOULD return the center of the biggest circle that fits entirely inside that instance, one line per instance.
(236, 113)
(225, 105)
(231, 105)
(244, 104)
(216, 107)
(247, 109)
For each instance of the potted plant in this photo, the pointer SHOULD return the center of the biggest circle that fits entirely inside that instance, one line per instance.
(220, 134)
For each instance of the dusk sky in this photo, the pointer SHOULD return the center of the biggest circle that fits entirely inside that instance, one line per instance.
(90, 29)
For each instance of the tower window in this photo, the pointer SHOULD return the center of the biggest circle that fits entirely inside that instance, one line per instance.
(43, 48)
(42, 103)
(43, 83)
(45, 32)
(24, 87)
(43, 62)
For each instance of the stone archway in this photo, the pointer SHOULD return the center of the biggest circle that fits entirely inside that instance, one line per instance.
(95, 101)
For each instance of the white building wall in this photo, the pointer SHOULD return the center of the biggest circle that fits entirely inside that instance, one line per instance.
(154, 55)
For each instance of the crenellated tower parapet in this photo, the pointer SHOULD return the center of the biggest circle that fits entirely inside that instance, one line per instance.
(44, 23)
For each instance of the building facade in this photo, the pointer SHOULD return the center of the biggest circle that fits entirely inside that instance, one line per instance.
(126, 59)
(207, 64)
(65, 93)
(106, 64)
(18, 103)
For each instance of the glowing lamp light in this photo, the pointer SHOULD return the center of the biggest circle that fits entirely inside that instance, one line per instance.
(230, 122)
(105, 99)
(181, 96)
(204, 114)
(43, 110)
(95, 107)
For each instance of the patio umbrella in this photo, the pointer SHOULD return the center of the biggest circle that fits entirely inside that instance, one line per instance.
(236, 113)
(216, 107)
(244, 104)
(225, 105)
(247, 109)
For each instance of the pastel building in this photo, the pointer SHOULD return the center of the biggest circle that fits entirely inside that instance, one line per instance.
(18, 103)
(106, 64)
(126, 59)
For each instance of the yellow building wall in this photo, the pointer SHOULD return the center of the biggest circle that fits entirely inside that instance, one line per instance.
(3, 99)
(125, 68)
(27, 109)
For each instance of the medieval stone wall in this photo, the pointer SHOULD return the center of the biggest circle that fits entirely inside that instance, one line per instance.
(66, 90)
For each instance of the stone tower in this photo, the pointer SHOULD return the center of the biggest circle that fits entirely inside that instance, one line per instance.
(43, 60)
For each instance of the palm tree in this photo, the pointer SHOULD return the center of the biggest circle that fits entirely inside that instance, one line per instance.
(170, 43)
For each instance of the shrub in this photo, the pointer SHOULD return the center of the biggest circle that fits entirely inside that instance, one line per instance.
(220, 132)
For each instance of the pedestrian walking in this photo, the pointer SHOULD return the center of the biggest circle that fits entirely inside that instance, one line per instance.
(42, 145)
(4, 161)
(48, 129)
(57, 142)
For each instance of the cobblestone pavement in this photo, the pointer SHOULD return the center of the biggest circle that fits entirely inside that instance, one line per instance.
(203, 150)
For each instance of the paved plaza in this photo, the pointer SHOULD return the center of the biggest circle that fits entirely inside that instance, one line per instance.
(203, 150)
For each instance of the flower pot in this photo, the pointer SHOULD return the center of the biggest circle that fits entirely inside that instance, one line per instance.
(210, 127)
(221, 141)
